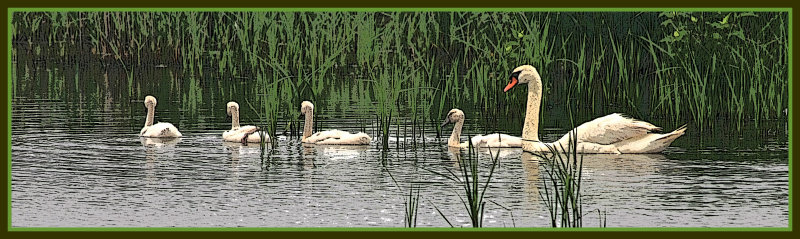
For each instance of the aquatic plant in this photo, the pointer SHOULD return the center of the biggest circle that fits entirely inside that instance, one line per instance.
(411, 203)
(469, 180)
(671, 66)
(562, 197)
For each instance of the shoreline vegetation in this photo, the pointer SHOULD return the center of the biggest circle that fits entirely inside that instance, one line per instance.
(671, 68)
(400, 72)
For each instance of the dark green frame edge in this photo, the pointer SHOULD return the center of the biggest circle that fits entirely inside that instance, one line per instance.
(392, 6)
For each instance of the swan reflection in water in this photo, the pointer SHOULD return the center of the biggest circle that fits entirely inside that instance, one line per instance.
(333, 152)
(250, 154)
(148, 142)
(237, 149)
(155, 149)
(602, 175)
(596, 170)
(616, 164)
(485, 152)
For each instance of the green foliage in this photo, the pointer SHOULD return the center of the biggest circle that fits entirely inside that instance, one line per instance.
(673, 66)
(564, 173)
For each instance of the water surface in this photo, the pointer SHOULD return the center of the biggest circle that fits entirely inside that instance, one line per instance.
(81, 164)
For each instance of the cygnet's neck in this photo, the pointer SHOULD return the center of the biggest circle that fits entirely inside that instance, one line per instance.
(234, 119)
(454, 140)
(308, 125)
(151, 112)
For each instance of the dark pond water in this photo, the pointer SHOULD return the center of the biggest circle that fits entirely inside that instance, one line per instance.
(80, 164)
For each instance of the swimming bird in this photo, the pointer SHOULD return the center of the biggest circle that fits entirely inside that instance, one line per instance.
(159, 130)
(614, 133)
(244, 134)
(457, 117)
(331, 136)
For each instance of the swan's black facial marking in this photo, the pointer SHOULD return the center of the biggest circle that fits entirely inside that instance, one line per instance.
(514, 80)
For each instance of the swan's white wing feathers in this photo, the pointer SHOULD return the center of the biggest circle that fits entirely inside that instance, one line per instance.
(165, 130)
(611, 129)
(496, 141)
(248, 128)
(237, 134)
(338, 137)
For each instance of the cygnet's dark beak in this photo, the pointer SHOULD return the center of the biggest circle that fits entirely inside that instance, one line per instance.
(446, 121)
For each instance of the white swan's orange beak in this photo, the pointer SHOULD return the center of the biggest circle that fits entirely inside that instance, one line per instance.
(511, 84)
(514, 81)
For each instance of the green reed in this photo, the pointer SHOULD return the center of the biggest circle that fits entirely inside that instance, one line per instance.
(674, 67)
(469, 180)
(387, 88)
(474, 192)
(564, 174)
(411, 203)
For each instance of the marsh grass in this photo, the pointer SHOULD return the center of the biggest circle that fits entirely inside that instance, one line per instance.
(469, 180)
(672, 67)
(562, 186)
(411, 203)
(510, 212)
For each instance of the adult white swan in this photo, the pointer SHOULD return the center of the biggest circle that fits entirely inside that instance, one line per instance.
(244, 134)
(159, 130)
(456, 116)
(330, 136)
(609, 134)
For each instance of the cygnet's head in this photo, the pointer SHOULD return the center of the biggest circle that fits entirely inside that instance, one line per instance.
(232, 107)
(149, 101)
(306, 108)
(455, 115)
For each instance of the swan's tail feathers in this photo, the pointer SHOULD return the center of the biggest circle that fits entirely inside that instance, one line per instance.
(633, 122)
(645, 125)
(665, 140)
(674, 134)
(344, 138)
(651, 143)
(364, 138)
(651, 127)
(681, 129)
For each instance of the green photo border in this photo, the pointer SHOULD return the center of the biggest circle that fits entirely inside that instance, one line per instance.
(475, 7)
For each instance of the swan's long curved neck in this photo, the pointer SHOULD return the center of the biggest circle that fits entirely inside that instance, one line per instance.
(530, 131)
(151, 112)
(235, 119)
(308, 125)
(454, 137)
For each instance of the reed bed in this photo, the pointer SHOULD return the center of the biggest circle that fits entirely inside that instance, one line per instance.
(469, 179)
(411, 203)
(666, 67)
(562, 197)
